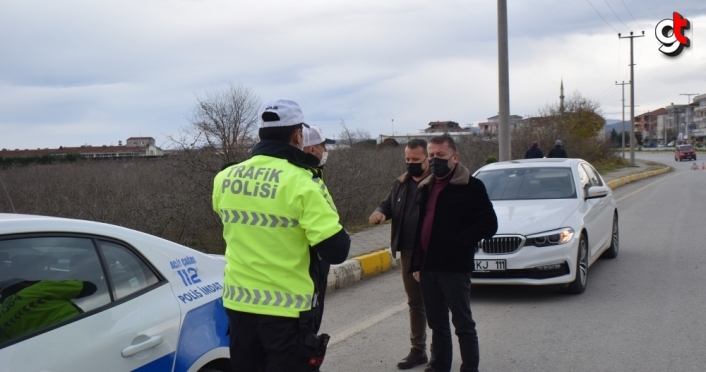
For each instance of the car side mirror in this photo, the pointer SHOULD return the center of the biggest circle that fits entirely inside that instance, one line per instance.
(595, 192)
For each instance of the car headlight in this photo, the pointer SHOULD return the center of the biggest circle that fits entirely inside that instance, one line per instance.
(555, 237)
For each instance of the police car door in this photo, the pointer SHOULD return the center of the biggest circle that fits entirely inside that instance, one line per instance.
(125, 318)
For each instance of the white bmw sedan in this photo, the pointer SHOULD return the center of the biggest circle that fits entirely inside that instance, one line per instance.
(556, 217)
(87, 296)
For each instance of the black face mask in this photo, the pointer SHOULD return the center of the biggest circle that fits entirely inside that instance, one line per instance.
(415, 169)
(440, 167)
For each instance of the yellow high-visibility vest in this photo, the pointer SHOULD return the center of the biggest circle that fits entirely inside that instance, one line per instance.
(37, 306)
(272, 212)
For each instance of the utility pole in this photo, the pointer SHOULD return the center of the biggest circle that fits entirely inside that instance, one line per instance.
(686, 112)
(632, 97)
(504, 85)
(622, 144)
(393, 127)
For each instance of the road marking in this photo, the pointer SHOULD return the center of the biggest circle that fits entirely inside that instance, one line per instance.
(652, 184)
(362, 326)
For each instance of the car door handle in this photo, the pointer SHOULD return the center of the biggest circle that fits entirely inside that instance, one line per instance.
(150, 343)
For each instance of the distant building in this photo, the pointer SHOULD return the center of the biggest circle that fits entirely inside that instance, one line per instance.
(139, 141)
(491, 126)
(647, 125)
(136, 147)
(404, 138)
(680, 120)
(699, 117)
(445, 126)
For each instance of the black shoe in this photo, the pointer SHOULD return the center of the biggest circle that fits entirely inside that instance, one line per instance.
(414, 358)
(428, 367)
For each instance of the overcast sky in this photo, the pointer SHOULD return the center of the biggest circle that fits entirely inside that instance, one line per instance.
(76, 72)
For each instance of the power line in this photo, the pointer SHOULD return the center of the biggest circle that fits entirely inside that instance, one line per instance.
(633, 18)
(599, 14)
(616, 15)
(617, 73)
(606, 92)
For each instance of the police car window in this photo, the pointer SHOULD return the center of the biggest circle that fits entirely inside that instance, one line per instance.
(128, 273)
(47, 280)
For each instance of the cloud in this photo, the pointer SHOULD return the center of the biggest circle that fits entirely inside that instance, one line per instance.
(79, 71)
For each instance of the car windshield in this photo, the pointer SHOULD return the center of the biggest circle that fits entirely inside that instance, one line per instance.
(528, 183)
(686, 148)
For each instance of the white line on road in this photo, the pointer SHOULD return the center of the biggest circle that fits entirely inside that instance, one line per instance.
(362, 326)
(652, 184)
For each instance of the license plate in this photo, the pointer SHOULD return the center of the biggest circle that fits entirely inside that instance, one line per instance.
(489, 265)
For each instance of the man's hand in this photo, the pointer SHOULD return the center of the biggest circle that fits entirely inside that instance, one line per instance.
(416, 275)
(377, 218)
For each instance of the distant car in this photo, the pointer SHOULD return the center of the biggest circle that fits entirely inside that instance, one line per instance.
(556, 217)
(683, 152)
(86, 296)
(670, 144)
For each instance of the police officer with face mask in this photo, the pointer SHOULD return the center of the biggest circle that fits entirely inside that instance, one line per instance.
(315, 144)
(401, 206)
(315, 147)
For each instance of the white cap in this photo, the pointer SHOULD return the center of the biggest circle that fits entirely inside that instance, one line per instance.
(280, 113)
(313, 136)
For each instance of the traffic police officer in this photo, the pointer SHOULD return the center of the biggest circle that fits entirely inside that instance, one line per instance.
(315, 146)
(277, 224)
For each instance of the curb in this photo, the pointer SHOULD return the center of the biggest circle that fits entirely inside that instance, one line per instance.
(372, 264)
(636, 177)
(360, 268)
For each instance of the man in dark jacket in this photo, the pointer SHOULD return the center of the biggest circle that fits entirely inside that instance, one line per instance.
(455, 213)
(557, 151)
(534, 152)
(401, 206)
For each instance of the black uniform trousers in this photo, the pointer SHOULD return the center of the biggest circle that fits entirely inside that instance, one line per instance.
(261, 343)
(444, 291)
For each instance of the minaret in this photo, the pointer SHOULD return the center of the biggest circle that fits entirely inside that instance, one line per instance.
(561, 97)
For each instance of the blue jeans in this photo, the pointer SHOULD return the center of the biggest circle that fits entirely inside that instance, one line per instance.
(444, 291)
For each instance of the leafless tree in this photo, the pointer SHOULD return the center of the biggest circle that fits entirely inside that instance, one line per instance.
(349, 137)
(578, 125)
(221, 131)
(222, 123)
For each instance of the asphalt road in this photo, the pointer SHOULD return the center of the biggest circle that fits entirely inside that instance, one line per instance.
(643, 311)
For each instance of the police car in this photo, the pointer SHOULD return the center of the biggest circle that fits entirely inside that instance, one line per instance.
(86, 296)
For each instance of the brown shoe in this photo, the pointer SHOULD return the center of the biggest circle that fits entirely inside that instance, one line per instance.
(414, 358)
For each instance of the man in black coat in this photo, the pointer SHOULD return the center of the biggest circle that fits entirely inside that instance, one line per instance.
(455, 213)
(400, 206)
(557, 151)
(534, 152)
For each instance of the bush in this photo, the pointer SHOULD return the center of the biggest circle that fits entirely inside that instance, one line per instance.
(170, 197)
